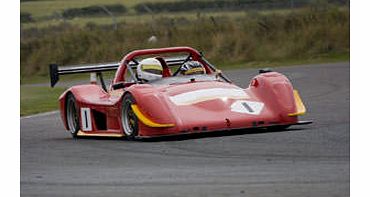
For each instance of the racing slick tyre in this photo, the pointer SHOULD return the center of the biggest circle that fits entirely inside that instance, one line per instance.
(73, 118)
(130, 122)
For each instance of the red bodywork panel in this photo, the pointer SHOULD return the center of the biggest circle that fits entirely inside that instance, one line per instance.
(199, 106)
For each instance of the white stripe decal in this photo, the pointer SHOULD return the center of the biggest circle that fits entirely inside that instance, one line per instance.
(86, 119)
(208, 94)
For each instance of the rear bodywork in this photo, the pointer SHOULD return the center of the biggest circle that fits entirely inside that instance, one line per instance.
(190, 106)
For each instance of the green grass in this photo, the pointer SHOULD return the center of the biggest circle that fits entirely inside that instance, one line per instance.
(40, 9)
(137, 19)
(44, 80)
(145, 18)
(41, 79)
(39, 99)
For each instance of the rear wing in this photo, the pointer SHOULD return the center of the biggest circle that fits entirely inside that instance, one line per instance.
(55, 70)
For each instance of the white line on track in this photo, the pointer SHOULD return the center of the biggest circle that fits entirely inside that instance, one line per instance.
(40, 115)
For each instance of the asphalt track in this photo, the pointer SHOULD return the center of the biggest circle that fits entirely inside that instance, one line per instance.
(306, 160)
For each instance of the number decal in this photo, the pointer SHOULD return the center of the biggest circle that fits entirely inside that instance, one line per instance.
(86, 119)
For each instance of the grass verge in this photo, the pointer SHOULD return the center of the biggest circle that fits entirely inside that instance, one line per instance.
(39, 99)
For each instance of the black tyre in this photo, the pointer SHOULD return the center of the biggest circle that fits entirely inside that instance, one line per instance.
(72, 115)
(130, 122)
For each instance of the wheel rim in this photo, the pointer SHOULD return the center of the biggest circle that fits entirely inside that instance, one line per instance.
(129, 119)
(72, 116)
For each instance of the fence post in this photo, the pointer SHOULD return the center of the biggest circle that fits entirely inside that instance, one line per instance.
(111, 15)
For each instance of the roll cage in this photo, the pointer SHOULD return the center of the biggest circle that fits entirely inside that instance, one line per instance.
(129, 62)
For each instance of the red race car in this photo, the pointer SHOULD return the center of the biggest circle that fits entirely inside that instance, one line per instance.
(171, 91)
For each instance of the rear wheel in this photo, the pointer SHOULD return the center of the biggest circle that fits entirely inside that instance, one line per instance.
(129, 120)
(73, 119)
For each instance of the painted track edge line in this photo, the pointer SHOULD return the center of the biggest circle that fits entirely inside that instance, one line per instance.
(39, 115)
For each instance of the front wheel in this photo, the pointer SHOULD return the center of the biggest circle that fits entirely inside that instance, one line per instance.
(73, 119)
(129, 120)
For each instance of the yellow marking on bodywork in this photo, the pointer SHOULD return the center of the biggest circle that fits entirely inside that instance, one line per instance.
(145, 120)
(151, 66)
(81, 133)
(301, 109)
(194, 70)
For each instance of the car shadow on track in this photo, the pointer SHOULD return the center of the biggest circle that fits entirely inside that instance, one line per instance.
(198, 135)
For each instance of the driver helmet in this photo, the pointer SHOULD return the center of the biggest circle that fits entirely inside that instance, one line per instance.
(149, 69)
(192, 68)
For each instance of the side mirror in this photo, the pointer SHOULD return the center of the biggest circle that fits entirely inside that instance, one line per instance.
(265, 70)
(118, 85)
(121, 85)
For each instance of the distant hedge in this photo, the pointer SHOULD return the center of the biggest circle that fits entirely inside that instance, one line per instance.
(187, 5)
(26, 17)
(191, 5)
(95, 10)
